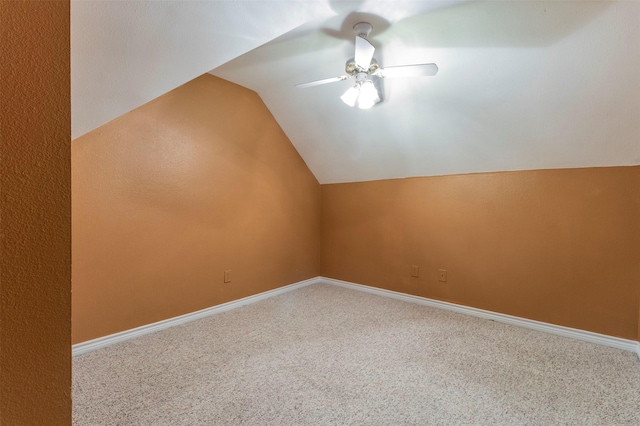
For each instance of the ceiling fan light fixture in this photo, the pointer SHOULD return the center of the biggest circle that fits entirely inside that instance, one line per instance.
(364, 93)
(351, 96)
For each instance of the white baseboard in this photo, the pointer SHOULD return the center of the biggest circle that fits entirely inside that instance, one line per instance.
(587, 336)
(101, 342)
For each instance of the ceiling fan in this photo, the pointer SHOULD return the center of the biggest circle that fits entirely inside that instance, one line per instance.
(364, 66)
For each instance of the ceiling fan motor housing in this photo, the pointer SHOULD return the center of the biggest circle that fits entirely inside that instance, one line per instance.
(352, 69)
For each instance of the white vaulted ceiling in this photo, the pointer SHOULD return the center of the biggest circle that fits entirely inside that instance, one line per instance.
(522, 85)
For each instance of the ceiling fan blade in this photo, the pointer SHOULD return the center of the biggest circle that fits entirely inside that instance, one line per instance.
(364, 52)
(319, 82)
(416, 70)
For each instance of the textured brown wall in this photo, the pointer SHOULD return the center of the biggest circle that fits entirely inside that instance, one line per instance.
(560, 246)
(35, 268)
(168, 196)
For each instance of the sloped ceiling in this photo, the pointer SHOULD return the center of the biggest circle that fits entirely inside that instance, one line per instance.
(522, 85)
(126, 53)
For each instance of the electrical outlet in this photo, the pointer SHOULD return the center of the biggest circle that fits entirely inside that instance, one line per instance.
(442, 275)
(227, 276)
(415, 271)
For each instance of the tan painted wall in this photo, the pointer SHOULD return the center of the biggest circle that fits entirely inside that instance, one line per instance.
(560, 246)
(35, 230)
(168, 196)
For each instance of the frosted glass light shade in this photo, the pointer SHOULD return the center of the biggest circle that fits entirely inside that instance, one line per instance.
(351, 96)
(368, 95)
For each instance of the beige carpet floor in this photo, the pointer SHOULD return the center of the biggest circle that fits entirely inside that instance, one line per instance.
(325, 355)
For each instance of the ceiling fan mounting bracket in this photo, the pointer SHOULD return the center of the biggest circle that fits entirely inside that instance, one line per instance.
(362, 29)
